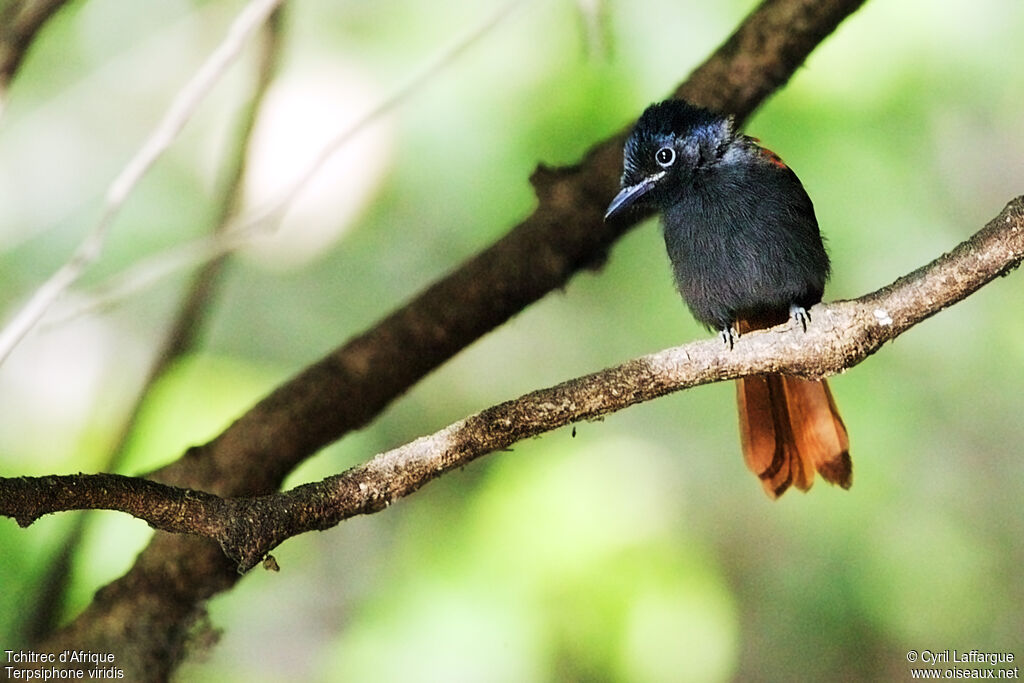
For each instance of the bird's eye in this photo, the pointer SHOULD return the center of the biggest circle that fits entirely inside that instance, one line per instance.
(665, 157)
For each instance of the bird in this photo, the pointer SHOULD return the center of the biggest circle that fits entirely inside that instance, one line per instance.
(746, 254)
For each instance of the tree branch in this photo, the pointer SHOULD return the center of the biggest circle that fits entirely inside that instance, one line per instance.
(180, 336)
(840, 336)
(565, 234)
(184, 105)
(20, 22)
(244, 229)
(159, 597)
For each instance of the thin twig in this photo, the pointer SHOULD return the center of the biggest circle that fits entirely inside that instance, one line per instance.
(265, 219)
(179, 338)
(178, 114)
(188, 323)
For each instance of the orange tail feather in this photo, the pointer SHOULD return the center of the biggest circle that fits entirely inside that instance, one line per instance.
(790, 429)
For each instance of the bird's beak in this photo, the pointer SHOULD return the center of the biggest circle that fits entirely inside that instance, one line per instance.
(631, 194)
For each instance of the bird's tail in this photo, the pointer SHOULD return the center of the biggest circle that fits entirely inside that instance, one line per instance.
(790, 428)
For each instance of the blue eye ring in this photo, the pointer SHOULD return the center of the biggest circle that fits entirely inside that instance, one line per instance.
(666, 156)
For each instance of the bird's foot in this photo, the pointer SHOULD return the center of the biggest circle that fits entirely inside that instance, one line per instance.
(800, 315)
(729, 335)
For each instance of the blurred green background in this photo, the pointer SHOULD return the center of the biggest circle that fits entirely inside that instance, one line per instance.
(641, 549)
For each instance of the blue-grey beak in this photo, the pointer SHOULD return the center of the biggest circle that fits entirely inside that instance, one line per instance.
(631, 194)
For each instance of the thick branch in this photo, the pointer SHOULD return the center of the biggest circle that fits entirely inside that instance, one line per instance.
(565, 233)
(841, 335)
(354, 383)
(20, 22)
(181, 334)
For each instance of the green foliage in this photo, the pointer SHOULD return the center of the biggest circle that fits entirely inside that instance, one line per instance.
(641, 550)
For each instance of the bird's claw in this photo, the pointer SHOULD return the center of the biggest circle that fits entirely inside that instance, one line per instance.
(729, 335)
(800, 315)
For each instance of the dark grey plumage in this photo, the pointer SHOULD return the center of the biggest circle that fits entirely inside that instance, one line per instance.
(746, 253)
(739, 227)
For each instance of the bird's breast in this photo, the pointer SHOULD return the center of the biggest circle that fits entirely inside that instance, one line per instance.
(737, 248)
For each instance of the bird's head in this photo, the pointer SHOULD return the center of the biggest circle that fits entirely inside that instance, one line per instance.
(671, 142)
